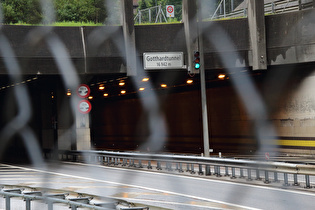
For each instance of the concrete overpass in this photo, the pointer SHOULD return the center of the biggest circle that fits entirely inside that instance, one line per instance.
(101, 50)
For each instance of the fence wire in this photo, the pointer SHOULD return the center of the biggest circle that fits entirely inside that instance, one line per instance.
(258, 104)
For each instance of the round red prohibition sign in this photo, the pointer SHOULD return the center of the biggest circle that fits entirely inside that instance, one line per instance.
(170, 9)
(83, 91)
(84, 107)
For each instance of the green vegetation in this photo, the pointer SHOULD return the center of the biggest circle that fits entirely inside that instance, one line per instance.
(66, 11)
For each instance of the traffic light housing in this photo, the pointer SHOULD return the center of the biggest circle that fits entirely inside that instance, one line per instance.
(197, 60)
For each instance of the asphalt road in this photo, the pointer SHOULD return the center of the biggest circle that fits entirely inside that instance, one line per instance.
(158, 189)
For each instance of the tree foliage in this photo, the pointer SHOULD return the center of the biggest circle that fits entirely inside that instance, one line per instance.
(80, 11)
(29, 11)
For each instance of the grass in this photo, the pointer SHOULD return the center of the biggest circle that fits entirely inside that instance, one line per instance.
(65, 24)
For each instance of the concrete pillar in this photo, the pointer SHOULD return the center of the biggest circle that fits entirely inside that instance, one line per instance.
(129, 37)
(83, 133)
(256, 22)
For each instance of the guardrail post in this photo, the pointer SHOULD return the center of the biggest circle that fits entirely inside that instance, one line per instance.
(276, 177)
(226, 171)
(73, 207)
(158, 167)
(258, 174)
(180, 168)
(187, 167)
(233, 173)
(208, 170)
(241, 173)
(215, 170)
(307, 181)
(192, 169)
(28, 203)
(249, 174)
(295, 180)
(266, 177)
(140, 164)
(286, 182)
(8, 197)
(149, 165)
(176, 165)
(50, 205)
(218, 171)
(7, 202)
(169, 166)
(200, 170)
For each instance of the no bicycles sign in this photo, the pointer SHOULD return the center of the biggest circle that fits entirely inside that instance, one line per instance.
(170, 10)
(84, 107)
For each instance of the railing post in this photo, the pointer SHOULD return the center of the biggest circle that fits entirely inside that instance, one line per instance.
(170, 166)
(286, 182)
(307, 181)
(50, 205)
(227, 171)
(180, 168)
(73, 207)
(241, 173)
(266, 177)
(192, 169)
(200, 170)
(295, 180)
(140, 164)
(176, 165)
(276, 177)
(158, 167)
(7, 202)
(233, 173)
(218, 171)
(258, 174)
(208, 170)
(28, 203)
(249, 174)
(187, 167)
(149, 165)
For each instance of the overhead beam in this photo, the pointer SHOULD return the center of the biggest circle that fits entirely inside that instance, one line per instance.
(257, 29)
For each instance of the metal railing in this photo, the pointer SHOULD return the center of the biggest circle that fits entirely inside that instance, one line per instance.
(60, 198)
(277, 6)
(206, 165)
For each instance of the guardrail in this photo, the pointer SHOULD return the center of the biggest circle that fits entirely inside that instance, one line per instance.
(206, 165)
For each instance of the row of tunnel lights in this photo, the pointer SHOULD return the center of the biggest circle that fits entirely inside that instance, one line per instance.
(146, 79)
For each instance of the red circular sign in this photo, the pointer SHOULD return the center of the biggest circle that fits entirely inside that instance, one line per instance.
(170, 9)
(84, 107)
(83, 91)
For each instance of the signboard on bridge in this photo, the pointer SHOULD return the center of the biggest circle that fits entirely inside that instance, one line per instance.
(163, 60)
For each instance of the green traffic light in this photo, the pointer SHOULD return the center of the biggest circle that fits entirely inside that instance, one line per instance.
(197, 65)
